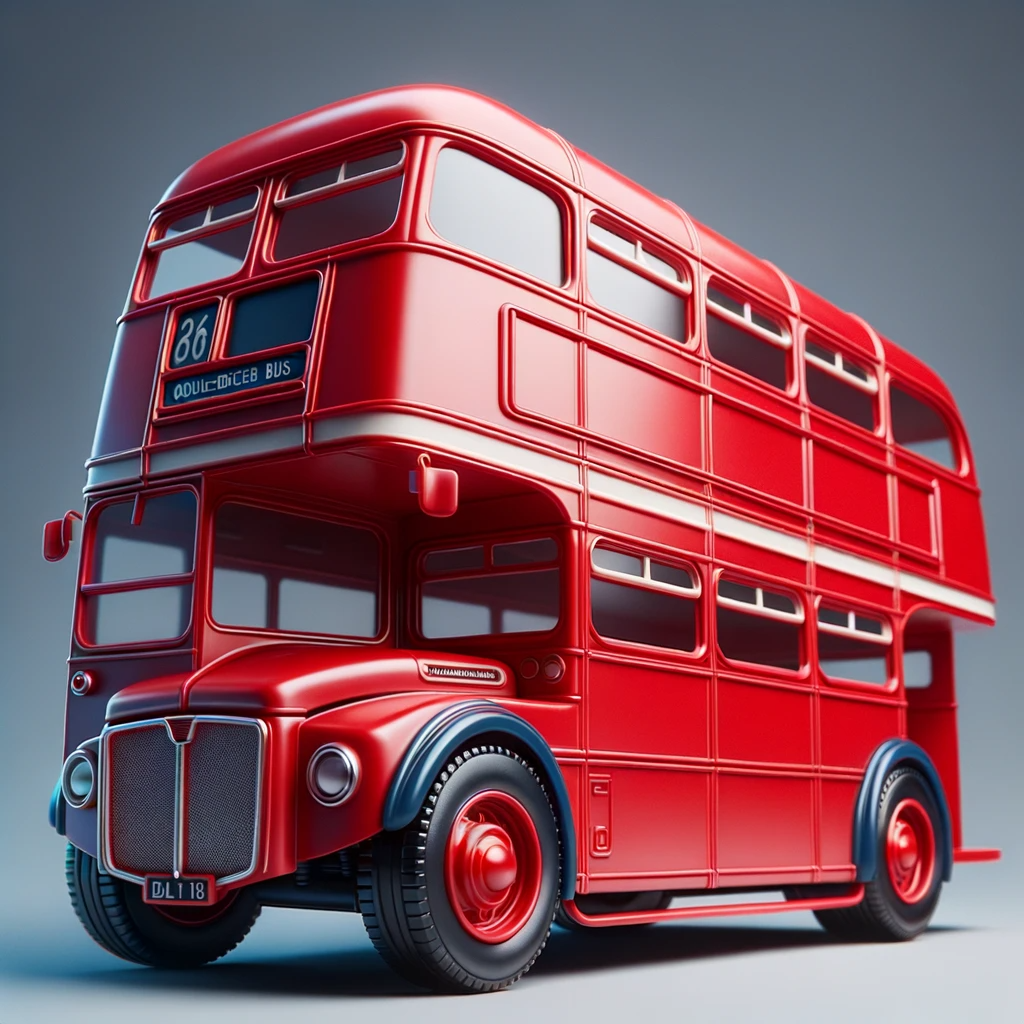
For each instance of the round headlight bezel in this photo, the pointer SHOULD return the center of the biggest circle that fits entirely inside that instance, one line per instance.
(342, 758)
(71, 776)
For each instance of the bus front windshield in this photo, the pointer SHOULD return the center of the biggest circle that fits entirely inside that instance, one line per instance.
(138, 579)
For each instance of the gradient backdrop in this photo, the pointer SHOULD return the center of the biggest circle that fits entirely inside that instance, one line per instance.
(873, 151)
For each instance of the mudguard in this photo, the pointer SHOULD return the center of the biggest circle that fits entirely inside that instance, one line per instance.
(892, 754)
(463, 724)
(58, 809)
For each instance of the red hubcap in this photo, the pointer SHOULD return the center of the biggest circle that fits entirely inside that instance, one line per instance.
(492, 866)
(910, 851)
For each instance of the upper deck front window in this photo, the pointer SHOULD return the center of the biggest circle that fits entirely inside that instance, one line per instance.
(205, 245)
(352, 200)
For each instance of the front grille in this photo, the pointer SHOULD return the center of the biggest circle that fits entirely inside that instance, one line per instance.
(216, 769)
(223, 773)
(141, 808)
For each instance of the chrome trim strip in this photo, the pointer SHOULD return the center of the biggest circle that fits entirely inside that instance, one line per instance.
(649, 500)
(114, 472)
(403, 426)
(103, 799)
(261, 443)
(626, 493)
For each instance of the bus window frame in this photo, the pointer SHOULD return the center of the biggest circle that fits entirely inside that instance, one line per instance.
(888, 640)
(218, 360)
(647, 553)
(684, 286)
(961, 468)
(752, 670)
(286, 508)
(87, 589)
(816, 336)
(715, 280)
(419, 576)
(526, 172)
(156, 241)
(350, 150)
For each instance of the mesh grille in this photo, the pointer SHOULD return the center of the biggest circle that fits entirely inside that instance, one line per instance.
(141, 811)
(223, 782)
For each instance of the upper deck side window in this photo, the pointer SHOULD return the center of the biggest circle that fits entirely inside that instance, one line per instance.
(624, 289)
(350, 200)
(205, 245)
(920, 428)
(489, 211)
(839, 384)
(740, 336)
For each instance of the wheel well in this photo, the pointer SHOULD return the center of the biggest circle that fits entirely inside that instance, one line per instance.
(476, 723)
(892, 754)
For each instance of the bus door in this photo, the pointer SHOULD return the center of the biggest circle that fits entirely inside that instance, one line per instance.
(766, 791)
(648, 707)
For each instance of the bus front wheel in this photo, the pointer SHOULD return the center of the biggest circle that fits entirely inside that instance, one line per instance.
(463, 899)
(899, 902)
(113, 913)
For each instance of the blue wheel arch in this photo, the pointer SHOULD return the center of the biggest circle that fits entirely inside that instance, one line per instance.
(466, 724)
(892, 754)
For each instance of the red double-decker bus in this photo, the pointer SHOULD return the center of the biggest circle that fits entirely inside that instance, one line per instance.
(473, 540)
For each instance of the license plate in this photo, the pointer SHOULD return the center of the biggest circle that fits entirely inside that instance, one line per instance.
(194, 889)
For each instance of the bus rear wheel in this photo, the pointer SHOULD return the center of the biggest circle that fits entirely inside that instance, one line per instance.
(463, 899)
(900, 901)
(116, 917)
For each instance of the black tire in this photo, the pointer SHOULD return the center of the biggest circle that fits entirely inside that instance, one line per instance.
(115, 916)
(884, 915)
(410, 915)
(613, 903)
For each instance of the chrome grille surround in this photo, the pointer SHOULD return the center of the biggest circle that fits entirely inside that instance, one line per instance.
(153, 820)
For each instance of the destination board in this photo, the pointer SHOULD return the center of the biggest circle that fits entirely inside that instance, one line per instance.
(236, 379)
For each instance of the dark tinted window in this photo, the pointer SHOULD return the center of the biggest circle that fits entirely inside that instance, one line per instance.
(847, 657)
(507, 602)
(731, 344)
(918, 427)
(276, 570)
(478, 206)
(846, 400)
(335, 219)
(753, 638)
(642, 616)
(620, 289)
(277, 316)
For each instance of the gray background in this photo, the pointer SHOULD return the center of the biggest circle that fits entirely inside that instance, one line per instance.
(873, 151)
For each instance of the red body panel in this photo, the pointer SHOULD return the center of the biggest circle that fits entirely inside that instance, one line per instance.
(686, 768)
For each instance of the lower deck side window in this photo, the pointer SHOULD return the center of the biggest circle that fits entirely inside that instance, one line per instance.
(508, 602)
(622, 612)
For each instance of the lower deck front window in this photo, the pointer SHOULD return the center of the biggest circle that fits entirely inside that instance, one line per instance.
(280, 571)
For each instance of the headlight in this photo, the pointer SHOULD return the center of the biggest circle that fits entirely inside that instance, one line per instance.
(78, 779)
(332, 774)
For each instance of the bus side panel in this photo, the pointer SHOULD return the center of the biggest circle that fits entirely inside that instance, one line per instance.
(425, 330)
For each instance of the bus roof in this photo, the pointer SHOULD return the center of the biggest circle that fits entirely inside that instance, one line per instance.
(454, 108)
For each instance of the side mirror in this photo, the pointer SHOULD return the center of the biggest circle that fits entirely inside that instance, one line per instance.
(57, 536)
(437, 489)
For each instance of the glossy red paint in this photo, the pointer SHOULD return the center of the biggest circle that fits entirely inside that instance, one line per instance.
(518, 409)
(910, 851)
(492, 866)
